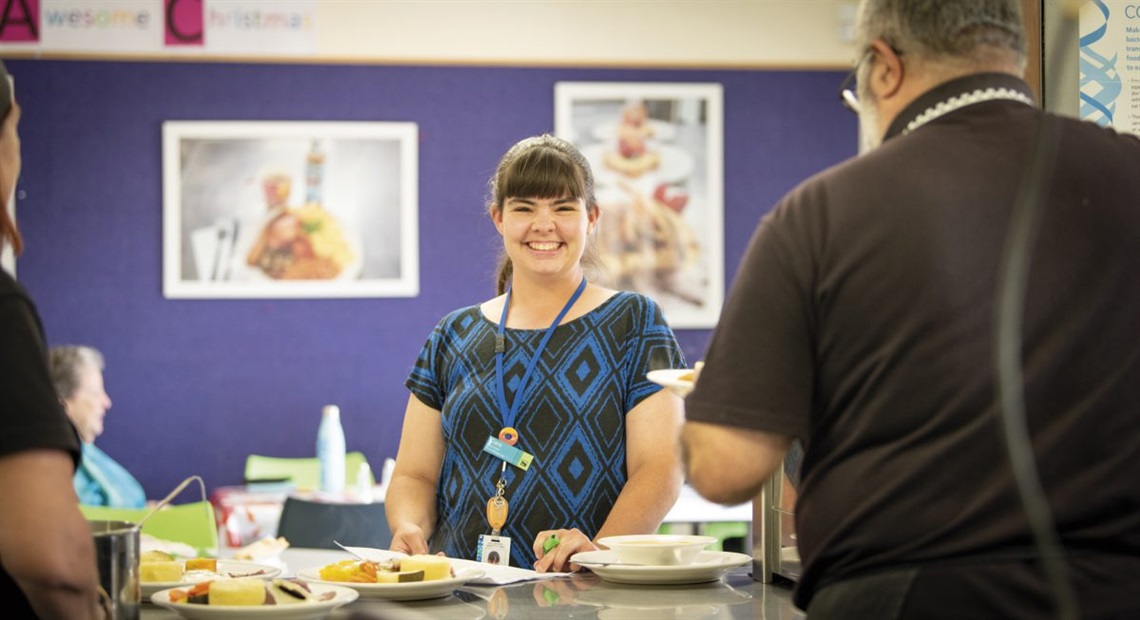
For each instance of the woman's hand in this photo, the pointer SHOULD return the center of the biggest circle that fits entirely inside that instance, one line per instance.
(409, 538)
(558, 558)
(410, 503)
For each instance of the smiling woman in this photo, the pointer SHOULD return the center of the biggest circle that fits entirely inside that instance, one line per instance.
(555, 366)
(542, 196)
(545, 236)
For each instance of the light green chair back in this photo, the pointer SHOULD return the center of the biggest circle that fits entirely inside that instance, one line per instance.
(304, 472)
(191, 523)
(722, 531)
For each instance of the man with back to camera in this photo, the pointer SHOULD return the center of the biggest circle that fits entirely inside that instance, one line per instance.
(861, 321)
(47, 555)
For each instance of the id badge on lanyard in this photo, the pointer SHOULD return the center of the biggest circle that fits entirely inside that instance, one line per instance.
(493, 548)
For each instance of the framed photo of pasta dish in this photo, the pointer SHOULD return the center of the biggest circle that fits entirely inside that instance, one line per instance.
(656, 151)
(290, 209)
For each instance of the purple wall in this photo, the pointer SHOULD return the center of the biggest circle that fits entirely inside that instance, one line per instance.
(199, 384)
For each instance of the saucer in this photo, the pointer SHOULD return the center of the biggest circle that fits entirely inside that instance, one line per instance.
(709, 566)
(409, 591)
(307, 610)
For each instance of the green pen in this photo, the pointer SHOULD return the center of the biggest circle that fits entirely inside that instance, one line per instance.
(550, 543)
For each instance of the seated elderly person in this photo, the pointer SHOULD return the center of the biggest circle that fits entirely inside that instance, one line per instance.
(77, 372)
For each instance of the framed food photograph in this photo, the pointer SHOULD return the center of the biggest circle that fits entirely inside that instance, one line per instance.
(656, 151)
(290, 209)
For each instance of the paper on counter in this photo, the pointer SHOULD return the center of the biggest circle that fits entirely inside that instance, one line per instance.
(492, 575)
(502, 575)
(176, 549)
(260, 550)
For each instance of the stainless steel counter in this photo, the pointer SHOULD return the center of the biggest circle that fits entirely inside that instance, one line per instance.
(583, 595)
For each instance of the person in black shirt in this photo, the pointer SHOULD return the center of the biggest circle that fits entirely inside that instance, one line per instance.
(861, 322)
(47, 554)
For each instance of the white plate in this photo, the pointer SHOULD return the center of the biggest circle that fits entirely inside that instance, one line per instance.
(411, 591)
(661, 130)
(676, 165)
(709, 566)
(301, 611)
(226, 568)
(490, 575)
(671, 378)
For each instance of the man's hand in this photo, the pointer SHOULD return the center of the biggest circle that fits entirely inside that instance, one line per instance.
(728, 464)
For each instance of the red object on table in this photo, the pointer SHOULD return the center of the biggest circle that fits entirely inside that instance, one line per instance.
(248, 514)
(245, 515)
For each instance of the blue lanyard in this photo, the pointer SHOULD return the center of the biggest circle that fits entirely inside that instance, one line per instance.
(510, 413)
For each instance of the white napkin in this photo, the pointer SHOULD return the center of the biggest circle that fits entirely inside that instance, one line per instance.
(262, 550)
(176, 549)
(492, 575)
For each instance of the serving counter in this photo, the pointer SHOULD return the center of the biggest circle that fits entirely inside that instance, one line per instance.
(584, 595)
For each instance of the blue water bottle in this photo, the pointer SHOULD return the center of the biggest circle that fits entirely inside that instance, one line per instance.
(330, 450)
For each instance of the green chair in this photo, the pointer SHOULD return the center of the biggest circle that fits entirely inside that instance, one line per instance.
(192, 523)
(730, 535)
(303, 472)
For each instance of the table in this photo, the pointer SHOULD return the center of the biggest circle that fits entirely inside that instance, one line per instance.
(583, 595)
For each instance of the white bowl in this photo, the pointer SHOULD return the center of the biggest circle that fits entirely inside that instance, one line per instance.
(657, 549)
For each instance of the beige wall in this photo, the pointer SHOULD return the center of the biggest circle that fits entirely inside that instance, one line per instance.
(626, 33)
(726, 33)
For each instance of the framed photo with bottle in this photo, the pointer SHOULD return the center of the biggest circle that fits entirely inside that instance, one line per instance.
(290, 209)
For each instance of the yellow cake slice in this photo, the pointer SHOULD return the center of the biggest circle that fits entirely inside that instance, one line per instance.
(155, 556)
(209, 564)
(246, 591)
(152, 572)
(434, 566)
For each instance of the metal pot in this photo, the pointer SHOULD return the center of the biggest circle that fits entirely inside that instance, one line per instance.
(117, 555)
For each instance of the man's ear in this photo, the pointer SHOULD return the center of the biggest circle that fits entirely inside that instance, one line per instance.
(887, 70)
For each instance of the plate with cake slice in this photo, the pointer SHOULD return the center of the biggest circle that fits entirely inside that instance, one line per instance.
(163, 575)
(398, 578)
(252, 598)
(407, 591)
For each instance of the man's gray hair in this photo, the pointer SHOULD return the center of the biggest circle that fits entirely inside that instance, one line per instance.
(66, 363)
(944, 30)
